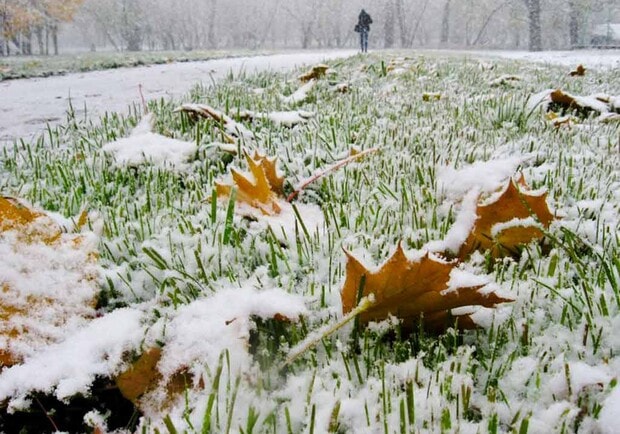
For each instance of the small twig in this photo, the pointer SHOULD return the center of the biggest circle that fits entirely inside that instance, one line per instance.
(144, 106)
(315, 338)
(47, 414)
(331, 168)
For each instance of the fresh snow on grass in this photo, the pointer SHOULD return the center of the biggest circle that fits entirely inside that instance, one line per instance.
(226, 297)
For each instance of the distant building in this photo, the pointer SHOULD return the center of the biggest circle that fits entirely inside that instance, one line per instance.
(605, 35)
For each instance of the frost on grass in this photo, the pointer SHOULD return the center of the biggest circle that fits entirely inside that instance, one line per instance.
(546, 361)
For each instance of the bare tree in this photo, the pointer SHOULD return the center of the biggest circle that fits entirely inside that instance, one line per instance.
(445, 23)
(533, 12)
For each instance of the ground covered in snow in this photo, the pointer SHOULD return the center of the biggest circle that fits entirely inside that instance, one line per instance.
(27, 106)
(204, 301)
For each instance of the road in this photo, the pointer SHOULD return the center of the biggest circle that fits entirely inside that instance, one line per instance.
(28, 105)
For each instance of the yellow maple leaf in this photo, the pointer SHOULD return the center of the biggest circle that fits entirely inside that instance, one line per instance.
(260, 188)
(29, 319)
(31, 225)
(514, 204)
(270, 168)
(412, 290)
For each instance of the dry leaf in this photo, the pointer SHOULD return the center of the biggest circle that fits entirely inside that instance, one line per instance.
(32, 310)
(412, 290)
(315, 73)
(270, 167)
(143, 377)
(515, 204)
(580, 71)
(259, 188)
(608, 118)
(563, 101)
(31, 225)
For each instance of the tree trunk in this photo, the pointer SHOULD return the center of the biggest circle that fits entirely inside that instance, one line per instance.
(402, 25)
(533, 12)
(38, 32)
(54, 29)
(445, 23)
(573, 24)
(211, 32)
(487, 21)
(388, 41)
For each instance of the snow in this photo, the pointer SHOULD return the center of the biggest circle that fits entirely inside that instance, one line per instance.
(485, 176)
(300, 95)
(610, 413)
(28, 105)
(71, 366)
(531, 373)
(602, 59)
(144, 146)
(47, 288)
(202, 330)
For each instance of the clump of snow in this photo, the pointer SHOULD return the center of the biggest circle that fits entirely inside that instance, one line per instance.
(484, 176)
(286, 118)
(70, 367)
(145, 147)
(300, 95)
(286, 223)
(203, 329)
(610, 413)
(461, 228)
(47, 289)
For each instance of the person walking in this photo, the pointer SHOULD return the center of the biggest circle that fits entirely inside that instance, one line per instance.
(363, 27)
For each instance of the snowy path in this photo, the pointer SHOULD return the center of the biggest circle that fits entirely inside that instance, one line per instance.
(27, 105)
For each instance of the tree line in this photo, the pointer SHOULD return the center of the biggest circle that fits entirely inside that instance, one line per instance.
(132, 25)
(25, 21)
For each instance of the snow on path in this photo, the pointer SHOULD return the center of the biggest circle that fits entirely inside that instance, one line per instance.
(27, 105)
(589, 58)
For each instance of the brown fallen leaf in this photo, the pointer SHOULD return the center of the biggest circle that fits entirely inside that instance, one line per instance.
(565, 102)
(259, 188)
(143, 377)
(514, 204)
(315, 73)
(580, 71)
(412, 290)
(31, 316)
(31, 225)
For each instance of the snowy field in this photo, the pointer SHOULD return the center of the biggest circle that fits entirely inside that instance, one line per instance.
(435, 249)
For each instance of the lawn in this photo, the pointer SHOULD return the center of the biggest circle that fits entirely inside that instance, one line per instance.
(44, 66)
(215, 315)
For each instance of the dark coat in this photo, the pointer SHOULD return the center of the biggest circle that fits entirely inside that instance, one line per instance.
(363, 21)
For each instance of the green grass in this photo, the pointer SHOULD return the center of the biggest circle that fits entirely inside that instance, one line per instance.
(14, 67)
(163, 241)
